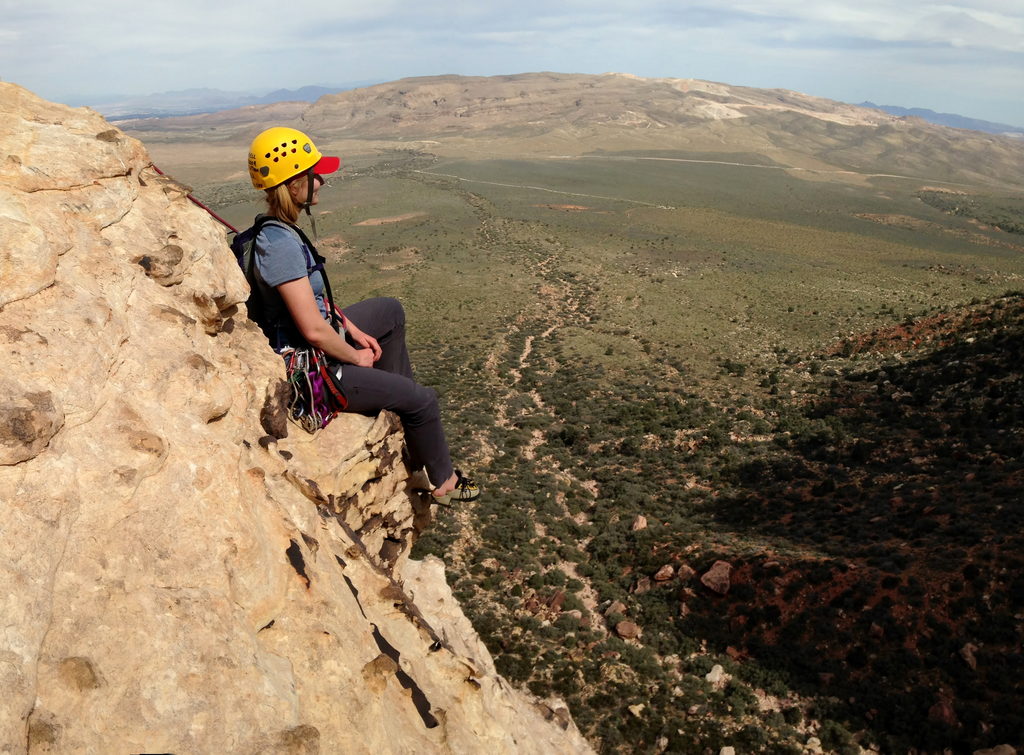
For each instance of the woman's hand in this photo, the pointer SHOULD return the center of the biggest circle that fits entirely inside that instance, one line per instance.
(368, 342)
(363, 358)
(298, 297)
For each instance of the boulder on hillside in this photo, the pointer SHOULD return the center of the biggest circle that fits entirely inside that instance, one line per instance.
(627, 630)
(716, 578)
(615, 607)
(686, 572)
(665, 573)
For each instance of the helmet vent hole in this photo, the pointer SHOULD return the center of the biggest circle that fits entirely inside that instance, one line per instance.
(275, 159)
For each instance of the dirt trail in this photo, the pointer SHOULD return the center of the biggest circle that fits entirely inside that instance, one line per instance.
(797, 169)
(790, 168)
(557, 303)
(543, 188)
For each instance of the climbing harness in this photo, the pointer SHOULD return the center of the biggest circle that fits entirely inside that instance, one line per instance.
(317, 396)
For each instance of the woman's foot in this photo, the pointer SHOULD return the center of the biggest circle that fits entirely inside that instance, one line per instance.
(446, 487)
(457, 488)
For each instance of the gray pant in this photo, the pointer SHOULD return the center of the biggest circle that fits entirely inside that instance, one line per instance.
(389, 384)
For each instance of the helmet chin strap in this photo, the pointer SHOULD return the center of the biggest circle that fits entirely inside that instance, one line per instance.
(311, 178)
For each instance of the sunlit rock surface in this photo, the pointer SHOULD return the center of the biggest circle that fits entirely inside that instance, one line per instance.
(178, 577)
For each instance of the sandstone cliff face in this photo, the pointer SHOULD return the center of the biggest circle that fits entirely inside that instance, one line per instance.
(177, 578)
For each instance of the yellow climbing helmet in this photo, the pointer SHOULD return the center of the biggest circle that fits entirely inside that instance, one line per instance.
(280, 153)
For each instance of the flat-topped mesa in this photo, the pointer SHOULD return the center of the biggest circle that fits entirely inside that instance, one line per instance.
(183, 575)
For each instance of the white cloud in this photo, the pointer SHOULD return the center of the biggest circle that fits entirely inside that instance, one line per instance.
(993, 25)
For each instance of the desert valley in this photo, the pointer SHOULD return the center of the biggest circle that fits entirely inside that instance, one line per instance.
(739, 372)
(679, 324)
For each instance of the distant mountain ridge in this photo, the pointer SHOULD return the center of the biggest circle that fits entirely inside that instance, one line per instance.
(551, 113)
(199, 101)
(549, 101)
(947, 119)
(557, 112)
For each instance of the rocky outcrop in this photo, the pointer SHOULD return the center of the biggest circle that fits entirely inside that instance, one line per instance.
(182, 575)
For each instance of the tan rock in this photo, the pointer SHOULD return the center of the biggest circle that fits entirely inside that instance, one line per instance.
(177, 580)
(665, 573)
(616, 607)
(627, 630)
(639, 523)
(813, 746)
(716, 675)
(717, 577)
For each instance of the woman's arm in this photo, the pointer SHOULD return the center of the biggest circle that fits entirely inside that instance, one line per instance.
(298, 297)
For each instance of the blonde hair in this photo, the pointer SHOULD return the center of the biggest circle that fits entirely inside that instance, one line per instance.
(281, 205)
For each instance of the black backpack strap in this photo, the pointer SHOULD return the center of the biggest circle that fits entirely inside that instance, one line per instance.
(261, 220)
(319, 261)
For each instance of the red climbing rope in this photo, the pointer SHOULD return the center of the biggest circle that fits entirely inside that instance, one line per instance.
(200, 204)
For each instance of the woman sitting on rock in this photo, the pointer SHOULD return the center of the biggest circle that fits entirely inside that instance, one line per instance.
(375, 373)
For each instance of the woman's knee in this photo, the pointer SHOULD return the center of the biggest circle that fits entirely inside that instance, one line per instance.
(379, 314)
(394, 309)
(385, 312)
(383, 307)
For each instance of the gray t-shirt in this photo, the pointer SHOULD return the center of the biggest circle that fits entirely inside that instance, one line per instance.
(281, 257)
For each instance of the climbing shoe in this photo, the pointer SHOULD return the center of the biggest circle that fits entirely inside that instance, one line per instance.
(465, 489)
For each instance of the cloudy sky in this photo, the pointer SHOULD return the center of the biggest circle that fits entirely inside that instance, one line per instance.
(961, 56)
